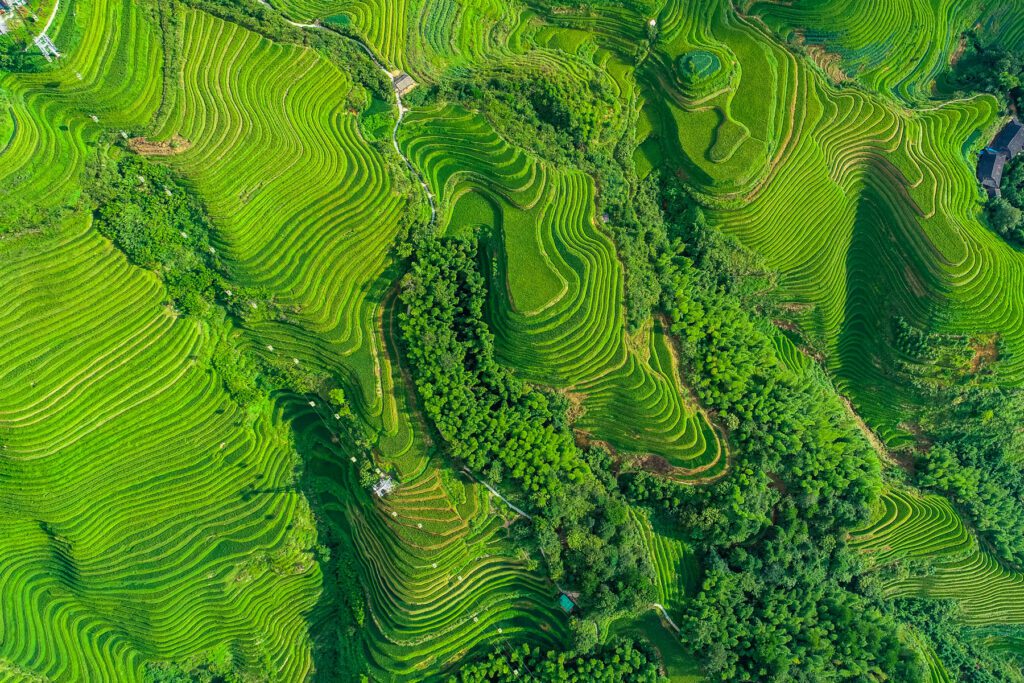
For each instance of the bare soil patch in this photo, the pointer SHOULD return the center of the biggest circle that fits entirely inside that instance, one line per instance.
(986, 352)
(160, 148)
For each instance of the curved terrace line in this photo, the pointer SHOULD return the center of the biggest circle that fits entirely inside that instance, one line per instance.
(398, 98)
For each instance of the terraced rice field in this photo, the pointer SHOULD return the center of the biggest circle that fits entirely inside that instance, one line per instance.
(439, 576)
(421, 36)
(887, 220)
(675, 562)
(85, 569)
(899, 48)
(125, 469)
(556, 305)
(146, 517)
(911, 527)
(126, 516)
(320, 253)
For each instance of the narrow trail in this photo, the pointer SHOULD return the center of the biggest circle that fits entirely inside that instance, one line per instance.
(398, 98)
(490, 488)
(53, 15)
(661, 608)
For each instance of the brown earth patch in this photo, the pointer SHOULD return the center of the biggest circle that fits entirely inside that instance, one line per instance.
(576, 407)
(829, 63)
(656, 464)
(795, 307)
(160, 148)
(986, 352)
(777, 483)
(958, 51)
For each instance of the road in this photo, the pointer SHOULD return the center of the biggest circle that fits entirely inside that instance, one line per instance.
(53, 15)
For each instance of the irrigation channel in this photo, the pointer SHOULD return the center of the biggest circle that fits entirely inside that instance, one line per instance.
(398, 98)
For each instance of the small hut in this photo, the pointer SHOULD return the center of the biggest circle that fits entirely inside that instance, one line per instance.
(1010, 138)
(46, 46)
(383, 487)
(990, 171)
(403, 82)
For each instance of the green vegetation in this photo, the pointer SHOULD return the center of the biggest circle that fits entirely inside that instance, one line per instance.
(554, 291)
(1006, 213)
(151, 218)
(989, 68)
(680, 331)
(509, 432)
(622, 662)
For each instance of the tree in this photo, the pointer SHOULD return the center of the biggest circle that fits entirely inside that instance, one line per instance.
(1004, 217)
(584, 635)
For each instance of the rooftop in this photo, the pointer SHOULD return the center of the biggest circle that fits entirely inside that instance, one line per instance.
(383, 487)
(403, 82)
(1010, 138)
(1008, 143)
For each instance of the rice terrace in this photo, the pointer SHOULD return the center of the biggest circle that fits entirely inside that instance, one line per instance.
(606, 341)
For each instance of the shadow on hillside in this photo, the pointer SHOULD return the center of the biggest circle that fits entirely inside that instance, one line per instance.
(890, 273)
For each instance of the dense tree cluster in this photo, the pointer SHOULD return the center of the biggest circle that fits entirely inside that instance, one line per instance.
(618, 662)
(779, 422)
(219, 666)
(487, 417)
(989, 68)
(15, 57)
(791, 607)
(159, 225)
(1006, 213)
(509, 432)
(782, 598)
(563, 118)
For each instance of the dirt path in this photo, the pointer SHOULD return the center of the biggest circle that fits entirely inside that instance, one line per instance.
(53, 15)
(884, 453)
(490, 488)
(661, 608)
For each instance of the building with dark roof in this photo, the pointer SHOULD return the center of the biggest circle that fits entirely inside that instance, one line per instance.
(1010, 138)
(403, 82)
(1008, 143)
(990, 170)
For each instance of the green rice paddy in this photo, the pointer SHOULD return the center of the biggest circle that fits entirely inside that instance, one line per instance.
(146, 517)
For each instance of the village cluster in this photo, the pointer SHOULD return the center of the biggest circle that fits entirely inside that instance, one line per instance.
(13, 12)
